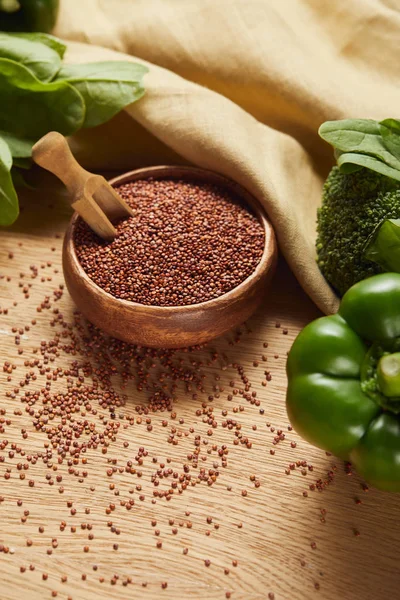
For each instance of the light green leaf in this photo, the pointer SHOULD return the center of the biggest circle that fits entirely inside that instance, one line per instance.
(44, 38)
(346, 167)
(346, 162)
(390, 132)
(332, 130)
(30, 108)
(391, 124)
(106, 87)
(383, 247)
(19, 146)
(8, 198)
(362, 136)
(41, 60)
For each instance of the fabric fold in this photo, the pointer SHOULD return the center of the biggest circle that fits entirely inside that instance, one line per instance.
(241, 88)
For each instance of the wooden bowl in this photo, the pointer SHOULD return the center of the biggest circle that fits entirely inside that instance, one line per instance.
(170, 326)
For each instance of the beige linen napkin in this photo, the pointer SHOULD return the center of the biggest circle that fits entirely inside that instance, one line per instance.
(240, 87)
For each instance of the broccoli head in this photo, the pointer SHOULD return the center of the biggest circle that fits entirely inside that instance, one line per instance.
(353, 205)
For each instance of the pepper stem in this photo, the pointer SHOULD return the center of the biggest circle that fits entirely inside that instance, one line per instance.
(388, 373)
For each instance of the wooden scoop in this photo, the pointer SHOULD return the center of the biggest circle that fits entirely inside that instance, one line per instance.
(171, 326)
(91, 196)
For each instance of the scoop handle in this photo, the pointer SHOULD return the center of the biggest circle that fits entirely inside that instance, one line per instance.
(53, 153)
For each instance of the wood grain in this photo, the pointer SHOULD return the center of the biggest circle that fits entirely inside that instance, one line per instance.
(270, 531)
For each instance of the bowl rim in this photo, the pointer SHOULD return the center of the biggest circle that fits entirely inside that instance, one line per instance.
(176, 171)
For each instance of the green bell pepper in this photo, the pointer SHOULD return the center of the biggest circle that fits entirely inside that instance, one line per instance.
(28, 15)
(344, 381)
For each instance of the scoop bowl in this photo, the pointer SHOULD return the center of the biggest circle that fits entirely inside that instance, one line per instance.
(171, 326)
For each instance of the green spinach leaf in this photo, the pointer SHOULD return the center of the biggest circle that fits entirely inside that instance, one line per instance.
(42, 61)
(365, 143)
(46, 39)
(8, 198)
(347, 160)
(37, 96)
(20, 147)
(390, 132)
(391, 124)
(383, 247)
(360, 136)
(30, 108)
(346, 167)
(106, 87)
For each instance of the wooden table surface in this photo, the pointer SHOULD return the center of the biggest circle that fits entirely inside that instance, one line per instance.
(268, 530)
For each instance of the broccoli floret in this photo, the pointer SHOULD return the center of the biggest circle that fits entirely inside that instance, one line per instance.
(353, 206)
